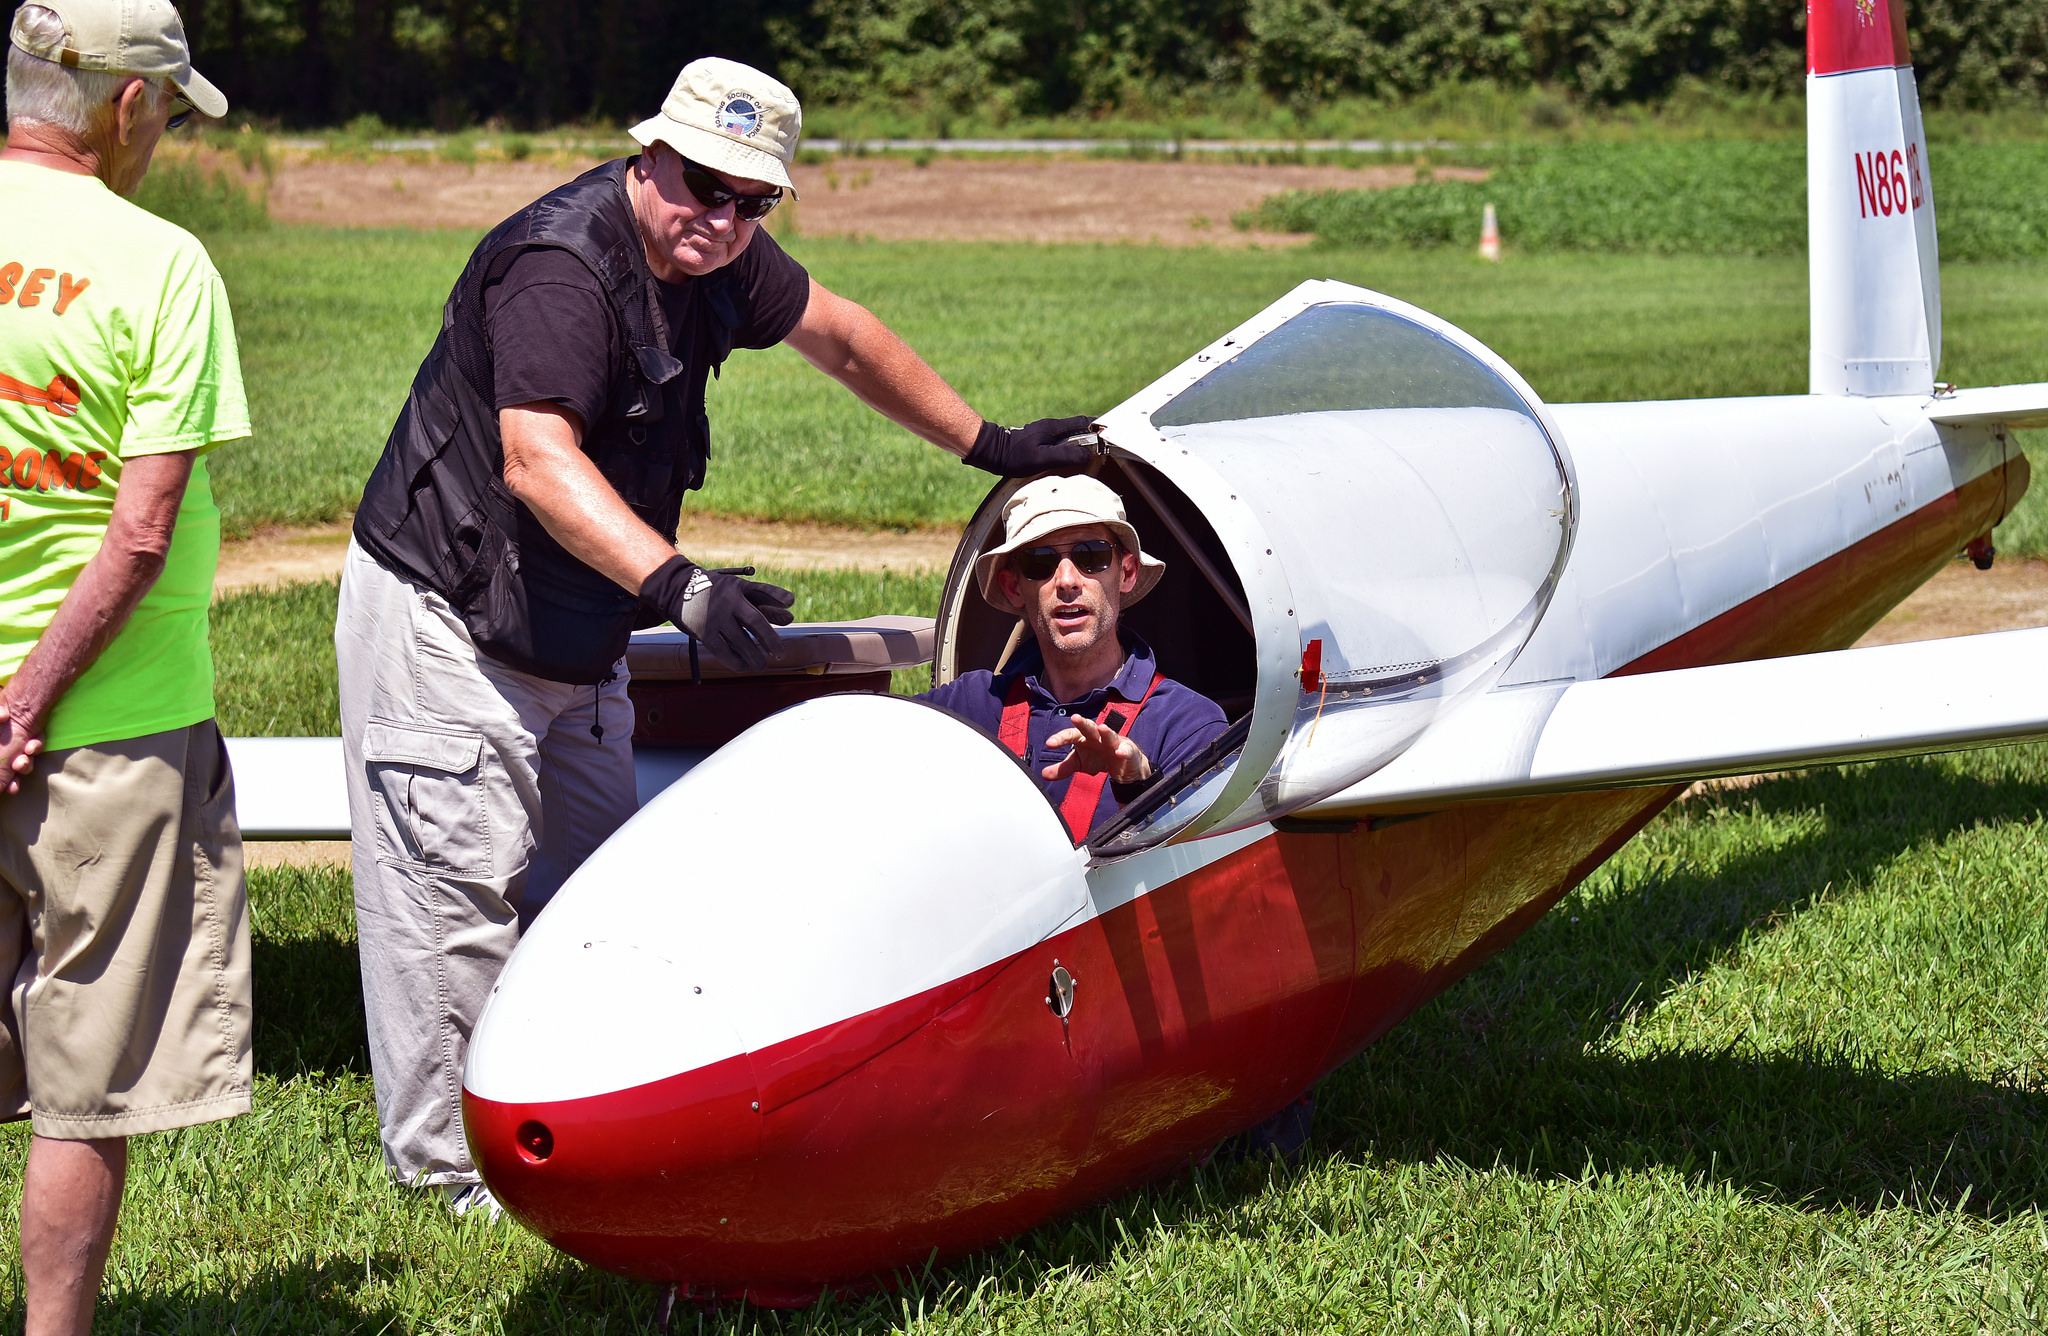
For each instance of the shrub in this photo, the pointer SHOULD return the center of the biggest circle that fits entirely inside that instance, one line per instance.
(250, 146)
(186, 194)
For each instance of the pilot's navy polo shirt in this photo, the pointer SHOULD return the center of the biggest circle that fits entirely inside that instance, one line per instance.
(1176, 722)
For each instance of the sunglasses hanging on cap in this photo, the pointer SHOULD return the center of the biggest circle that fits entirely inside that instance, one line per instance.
(713, 193)
(1092, 557)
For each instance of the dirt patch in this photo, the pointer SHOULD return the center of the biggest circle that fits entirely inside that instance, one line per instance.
(1964, 601)
(726, 541)
(280, 555)
(295, 853)
(396, 193)
(1046, 199)
(1043, 199)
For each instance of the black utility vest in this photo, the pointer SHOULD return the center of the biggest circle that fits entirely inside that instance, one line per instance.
(436, 510)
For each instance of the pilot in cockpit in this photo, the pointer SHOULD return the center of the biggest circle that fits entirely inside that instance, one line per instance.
(1083, 704)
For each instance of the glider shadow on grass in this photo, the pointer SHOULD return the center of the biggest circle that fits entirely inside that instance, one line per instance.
(300, 1297)
(1512, 1067)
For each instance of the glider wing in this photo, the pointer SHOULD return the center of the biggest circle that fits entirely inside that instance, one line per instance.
(1728, 719)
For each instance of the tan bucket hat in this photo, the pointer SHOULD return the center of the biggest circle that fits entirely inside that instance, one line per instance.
(140, 37)
(1045, 506)
(731, 118)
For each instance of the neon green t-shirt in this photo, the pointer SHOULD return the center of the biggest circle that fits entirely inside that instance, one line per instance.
(115, 341)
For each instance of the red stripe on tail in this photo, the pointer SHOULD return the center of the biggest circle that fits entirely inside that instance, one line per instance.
(1845, 35)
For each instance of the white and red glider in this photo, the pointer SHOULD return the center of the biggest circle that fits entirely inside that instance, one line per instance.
(845, 996)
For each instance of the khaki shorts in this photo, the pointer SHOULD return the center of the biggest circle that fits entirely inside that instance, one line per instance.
(124, 927)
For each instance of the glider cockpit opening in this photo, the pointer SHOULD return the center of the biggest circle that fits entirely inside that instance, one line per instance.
(1195, 619)
(1363, 512)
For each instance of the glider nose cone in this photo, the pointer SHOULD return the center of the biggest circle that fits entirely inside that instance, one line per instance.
(633, 1111)
(818, 889)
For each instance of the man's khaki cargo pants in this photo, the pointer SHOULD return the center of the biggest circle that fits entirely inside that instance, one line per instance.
(474, 790)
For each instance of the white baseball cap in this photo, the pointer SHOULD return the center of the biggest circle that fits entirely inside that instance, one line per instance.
(731, 118)
(139, 37)
(1046, 505)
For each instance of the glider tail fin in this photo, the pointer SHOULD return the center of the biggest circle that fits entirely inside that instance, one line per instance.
(1876, 289)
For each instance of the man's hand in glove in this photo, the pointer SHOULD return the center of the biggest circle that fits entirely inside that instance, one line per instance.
(1020, 452)
(733, 616)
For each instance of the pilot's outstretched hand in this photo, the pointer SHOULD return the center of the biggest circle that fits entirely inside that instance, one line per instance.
(736, 618)
(1044, 446)
(1097, 749)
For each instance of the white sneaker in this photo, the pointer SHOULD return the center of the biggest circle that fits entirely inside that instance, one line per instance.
(466, 1197)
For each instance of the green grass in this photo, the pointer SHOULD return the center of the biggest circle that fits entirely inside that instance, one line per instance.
(1713, 197)
(1704, 197)
(1779, 1066)
(273, 649)
(334, 324)
(273, 662)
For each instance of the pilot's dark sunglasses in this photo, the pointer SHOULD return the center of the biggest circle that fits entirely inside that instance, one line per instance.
(713, 193)
(1092, 557)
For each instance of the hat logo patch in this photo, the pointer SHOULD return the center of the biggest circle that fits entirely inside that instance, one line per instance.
(738, 115)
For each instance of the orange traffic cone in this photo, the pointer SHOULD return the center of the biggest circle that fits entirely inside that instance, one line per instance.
(1489, 237)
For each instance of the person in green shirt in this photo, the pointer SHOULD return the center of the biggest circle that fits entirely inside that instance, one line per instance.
(123, 918)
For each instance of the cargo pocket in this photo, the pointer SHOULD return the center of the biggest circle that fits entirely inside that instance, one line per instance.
(216, 836)
(428, 791)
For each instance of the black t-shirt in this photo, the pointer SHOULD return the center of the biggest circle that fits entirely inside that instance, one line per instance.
(554, 339)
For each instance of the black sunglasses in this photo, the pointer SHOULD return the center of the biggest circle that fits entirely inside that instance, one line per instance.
(1090, 557)
(713, 193)
(178, 118)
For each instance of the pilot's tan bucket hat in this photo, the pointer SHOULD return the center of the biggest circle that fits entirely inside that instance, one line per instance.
(1044, 506)
(731, 118)
(139, 37)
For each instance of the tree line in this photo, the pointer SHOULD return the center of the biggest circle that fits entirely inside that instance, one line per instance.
(450, 63)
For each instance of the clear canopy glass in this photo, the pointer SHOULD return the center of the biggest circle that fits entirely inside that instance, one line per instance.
(1418, 506)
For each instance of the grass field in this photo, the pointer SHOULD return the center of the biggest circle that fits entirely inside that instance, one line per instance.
(1704, 197)
(333, 325)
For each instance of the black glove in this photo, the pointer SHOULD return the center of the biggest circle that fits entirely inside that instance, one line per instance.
(1020, 452)
(734, 617)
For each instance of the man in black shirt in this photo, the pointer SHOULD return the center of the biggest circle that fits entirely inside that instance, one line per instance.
(521, 523)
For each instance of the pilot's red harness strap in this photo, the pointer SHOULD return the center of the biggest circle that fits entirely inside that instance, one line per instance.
(1084, 790)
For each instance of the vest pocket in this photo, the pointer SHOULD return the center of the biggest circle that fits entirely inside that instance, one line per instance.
(427, 788)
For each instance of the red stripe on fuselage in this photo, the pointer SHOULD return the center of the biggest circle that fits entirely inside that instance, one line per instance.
(1847, 35)
(969, 1113)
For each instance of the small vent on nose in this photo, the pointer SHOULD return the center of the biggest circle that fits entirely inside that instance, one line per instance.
(535, 1141)
(1059, 992)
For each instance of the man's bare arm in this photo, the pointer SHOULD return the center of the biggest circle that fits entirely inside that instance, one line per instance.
(98, 605)
(847, 342)
(546, 469)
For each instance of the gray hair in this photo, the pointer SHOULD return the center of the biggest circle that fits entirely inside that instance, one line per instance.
(51, 94)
